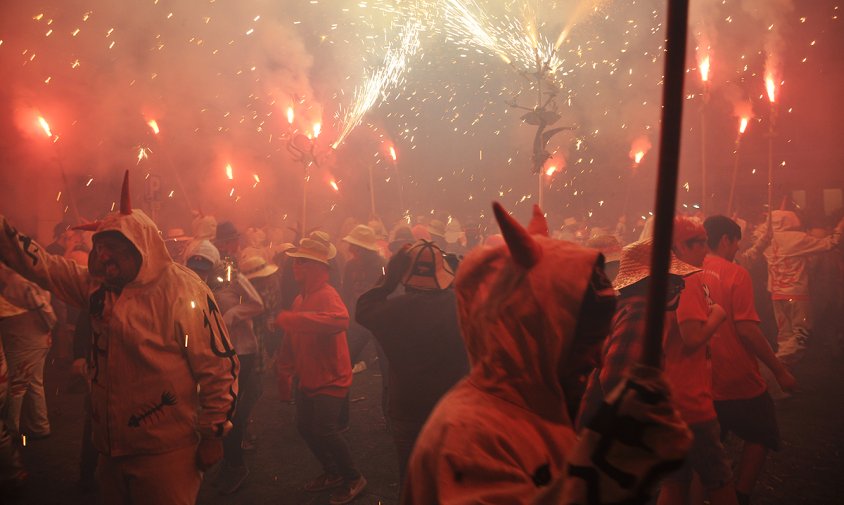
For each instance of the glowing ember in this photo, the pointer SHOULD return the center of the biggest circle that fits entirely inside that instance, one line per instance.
(317, 129)
(639, 148)
(743, 125)
(257, 179)
(153, 124)
(550, 170)
(45, 126)
(334, 185)
(229, 172)
(290, 115)
(637, 158)
(771, 88)
(704, 69)
(393, 153)
(142, 154)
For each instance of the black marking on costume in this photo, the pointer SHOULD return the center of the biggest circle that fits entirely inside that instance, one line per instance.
(542, 475)
(227, 352)
(96, 308)
(30, 248)
(167, 400)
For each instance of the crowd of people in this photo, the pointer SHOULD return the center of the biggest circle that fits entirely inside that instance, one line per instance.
(509, 355)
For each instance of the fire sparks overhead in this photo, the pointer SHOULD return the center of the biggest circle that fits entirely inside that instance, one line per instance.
(229, 172)
(153, 125)
(743, 124)
(704, 69)
(771, 88)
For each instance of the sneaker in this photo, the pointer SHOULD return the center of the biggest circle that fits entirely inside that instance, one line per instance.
(323, 482)
(349, 492)
(233, 478)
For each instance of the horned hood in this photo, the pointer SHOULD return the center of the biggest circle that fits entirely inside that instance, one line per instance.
(518, 306)
(136, 226)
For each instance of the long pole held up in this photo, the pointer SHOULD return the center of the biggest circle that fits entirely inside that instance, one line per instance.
(666, 190)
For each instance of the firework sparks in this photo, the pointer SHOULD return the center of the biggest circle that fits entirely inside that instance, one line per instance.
(290, 115)
(743, 125)
(334, 185)
(229, 172)
(380, 82)
(143, 153)
(393, 153)
(704, 69)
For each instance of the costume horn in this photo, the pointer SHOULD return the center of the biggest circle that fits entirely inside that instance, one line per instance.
(524, 250)
(538, 225)
(125, 201)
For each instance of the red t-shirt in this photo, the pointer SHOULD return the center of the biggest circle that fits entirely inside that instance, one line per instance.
(735, 371)
(690, 372)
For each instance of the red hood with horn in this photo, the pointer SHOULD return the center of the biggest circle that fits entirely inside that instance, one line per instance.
(518, 305)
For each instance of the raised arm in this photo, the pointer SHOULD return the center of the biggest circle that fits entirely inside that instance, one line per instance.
(62, 277)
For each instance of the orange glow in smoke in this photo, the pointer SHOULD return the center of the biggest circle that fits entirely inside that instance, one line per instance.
(771, 88)
(229, 172)
(45, 126)
(637, 158)
(704, 69)
(290, 115)
(550, 170)
(743, 125)
(153, 124)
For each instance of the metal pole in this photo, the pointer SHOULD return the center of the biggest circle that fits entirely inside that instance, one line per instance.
(666, 192)
(734, 178)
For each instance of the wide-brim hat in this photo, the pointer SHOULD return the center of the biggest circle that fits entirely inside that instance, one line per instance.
(437, 227)
(256, 266)
(636, 264)
(401, 236)
(428, 268)
(226, 231)
(311, 250)
(609, 246)
(176, 234)
(362, 236)
(325, 239)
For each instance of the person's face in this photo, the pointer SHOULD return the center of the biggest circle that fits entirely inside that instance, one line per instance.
(302, 268)
(115, 259)
(729, 247)
(692, 251)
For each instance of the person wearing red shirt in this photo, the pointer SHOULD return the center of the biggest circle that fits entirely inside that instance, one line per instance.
(742, 402)
(688, 371)
(315, 351)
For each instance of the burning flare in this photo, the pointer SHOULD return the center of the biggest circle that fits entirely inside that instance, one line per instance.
(334, 185)
(45, 126)
(153, 124)
(317, 129)
(704, 69)
(290, 115)
(393, 153)
(771, 88)
(743, 125)
(550, 170)
(229, 172)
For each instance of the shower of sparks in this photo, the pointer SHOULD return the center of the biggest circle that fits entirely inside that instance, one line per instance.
(143, 153)
(290, 116)
(229, 172)
(393, 153)
(382, 80)
(743, 125)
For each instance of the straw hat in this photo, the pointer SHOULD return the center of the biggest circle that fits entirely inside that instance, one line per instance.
(437, 227)
(311, 250)
(428, 268)
(401, 236)
(636, 264)
(608, 245)
(362, 236)
(256, 266)
(325, 239)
